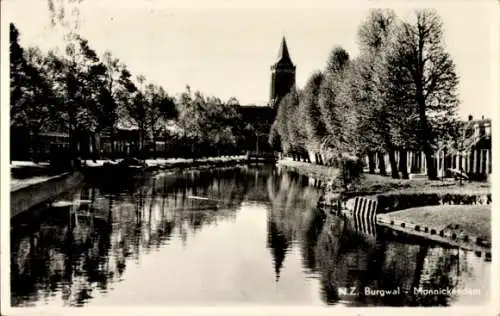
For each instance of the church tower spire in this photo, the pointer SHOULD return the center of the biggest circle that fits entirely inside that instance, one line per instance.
(283, 54)
(282, 75)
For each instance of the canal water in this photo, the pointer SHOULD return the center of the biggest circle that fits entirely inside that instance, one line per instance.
(246, 235)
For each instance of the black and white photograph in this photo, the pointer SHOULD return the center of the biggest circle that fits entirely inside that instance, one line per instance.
(302, 156)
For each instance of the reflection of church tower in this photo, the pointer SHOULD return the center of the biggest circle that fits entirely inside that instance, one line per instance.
(278, 244)
(282, 75)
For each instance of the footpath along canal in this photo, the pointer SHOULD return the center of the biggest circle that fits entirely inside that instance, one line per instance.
(193, 236)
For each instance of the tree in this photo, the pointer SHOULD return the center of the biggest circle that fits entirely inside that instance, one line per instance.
(347, 111)
(288, 126)
(149, 107)
(78, 79)
(310, 112)
(111, 90)
(210, 125)
(160, 108)
(17, 72)
(331, 114)
(431, 81)
(275, 138)
(404, 116)
(192, 118)
(379, 110)
(294, 127)
(31, 92)
(362, 96)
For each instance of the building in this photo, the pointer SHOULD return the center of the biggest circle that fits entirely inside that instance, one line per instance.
(282, 75)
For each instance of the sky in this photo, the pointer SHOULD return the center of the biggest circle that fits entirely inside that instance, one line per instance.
(225, 48)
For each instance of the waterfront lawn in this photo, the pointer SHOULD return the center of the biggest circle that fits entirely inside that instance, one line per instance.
(473, 220)
(375, 184)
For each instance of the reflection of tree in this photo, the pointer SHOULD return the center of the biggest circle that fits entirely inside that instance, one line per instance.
(437, 270)
(342, 257)
(293, 217)
(278, 244)
(58, 256)
(78, 257)
(312, 233)
(409, 266)
(292, 204)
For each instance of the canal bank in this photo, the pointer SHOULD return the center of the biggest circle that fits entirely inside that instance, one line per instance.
(464, 226)
(32, 191)
(24, 198)
(180, 163)
(437, 210)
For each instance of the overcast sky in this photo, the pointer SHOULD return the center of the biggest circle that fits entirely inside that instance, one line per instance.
(225, 48)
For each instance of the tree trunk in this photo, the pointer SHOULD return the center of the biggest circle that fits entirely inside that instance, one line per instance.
(165, 147)
(155, 153)
(34, 147)
(193, 154)
(94, 148)
(419, 266)
(73, 155)
(381, 163)
(403, 163)
(431, 168)
(394, 166)
(112, 143)
(425, 135)
(371, 162)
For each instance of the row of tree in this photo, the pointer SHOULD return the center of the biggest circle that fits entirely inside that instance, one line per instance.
(76, 91)
(398, 94)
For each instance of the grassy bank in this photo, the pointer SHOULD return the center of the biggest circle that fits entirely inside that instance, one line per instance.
(376, 184)
(472, 220)
(372, 184)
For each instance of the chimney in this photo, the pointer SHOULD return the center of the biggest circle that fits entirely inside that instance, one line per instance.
(470, 117)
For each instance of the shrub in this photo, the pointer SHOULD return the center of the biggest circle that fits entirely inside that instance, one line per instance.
(350, 172)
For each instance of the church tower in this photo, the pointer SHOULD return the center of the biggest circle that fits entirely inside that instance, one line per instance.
(282, 75)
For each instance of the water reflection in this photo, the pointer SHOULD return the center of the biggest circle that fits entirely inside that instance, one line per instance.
(79, 249)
